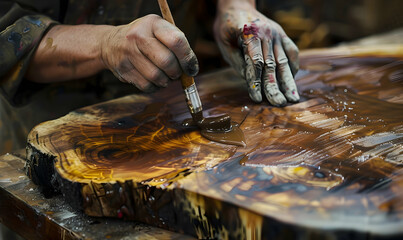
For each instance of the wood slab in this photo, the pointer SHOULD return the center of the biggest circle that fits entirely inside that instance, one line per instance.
(25, 210)
(327, 167)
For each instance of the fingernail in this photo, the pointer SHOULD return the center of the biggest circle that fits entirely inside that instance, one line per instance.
(278, 100)
(256, 97)
(292, 96)
(150, 88)
(255, 93)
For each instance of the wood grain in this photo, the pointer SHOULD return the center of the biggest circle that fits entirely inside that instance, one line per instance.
(329, 166)
(27, 212)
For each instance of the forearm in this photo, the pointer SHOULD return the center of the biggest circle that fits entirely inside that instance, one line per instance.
(67, 53)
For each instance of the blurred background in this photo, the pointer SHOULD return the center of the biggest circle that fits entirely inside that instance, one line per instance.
(312, 24)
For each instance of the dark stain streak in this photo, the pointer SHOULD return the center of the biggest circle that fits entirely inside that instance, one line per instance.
(15, 39)
(34, 20)
(26, 29)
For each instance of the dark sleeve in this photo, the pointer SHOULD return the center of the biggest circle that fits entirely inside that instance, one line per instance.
(22, 29)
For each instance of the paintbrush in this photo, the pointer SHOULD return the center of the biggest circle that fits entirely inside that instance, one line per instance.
(219, 128)
(213, 124)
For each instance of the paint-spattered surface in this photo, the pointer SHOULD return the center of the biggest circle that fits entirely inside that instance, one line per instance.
(329, 165)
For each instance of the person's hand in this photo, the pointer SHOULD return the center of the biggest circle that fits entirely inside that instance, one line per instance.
(148, 52)
(259, 50)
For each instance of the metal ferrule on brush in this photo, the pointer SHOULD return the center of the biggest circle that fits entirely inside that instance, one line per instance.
(191, 94)
(193, 99)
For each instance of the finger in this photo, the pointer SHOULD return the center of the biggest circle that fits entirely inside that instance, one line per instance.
(149, 71)
(253, 83)
(145, 67)
(270, 86)
(175, 40)
(160, 56)
(286, 79)
(292, 52)
(127, 73)
(253, 47)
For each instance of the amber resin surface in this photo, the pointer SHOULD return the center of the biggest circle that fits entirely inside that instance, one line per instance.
(329, 166)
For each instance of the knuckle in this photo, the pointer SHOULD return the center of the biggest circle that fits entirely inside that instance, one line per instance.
(167, 61)
(176, 73)
(248, 60)
(138, 37)
(178, 40)
(152, 17)
(189, 56)
(258, 58)
(270, 65)
(143, 86)
(282, 61)
(148, 88)
(155, 75)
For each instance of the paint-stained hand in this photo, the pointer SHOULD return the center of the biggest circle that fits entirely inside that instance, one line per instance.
(260, 51)
(148, 52)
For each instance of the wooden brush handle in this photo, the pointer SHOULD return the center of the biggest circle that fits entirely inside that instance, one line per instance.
(166, 13)
(186, 81)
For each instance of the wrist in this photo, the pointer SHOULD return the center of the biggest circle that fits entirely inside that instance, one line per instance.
(224, 5)
(104, 34)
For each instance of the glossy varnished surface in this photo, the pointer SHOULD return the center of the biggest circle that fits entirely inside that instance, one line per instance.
(332, 161)
(27, 212)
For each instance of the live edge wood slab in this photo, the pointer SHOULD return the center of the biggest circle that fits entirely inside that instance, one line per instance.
(327, 167)
(25, 210)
